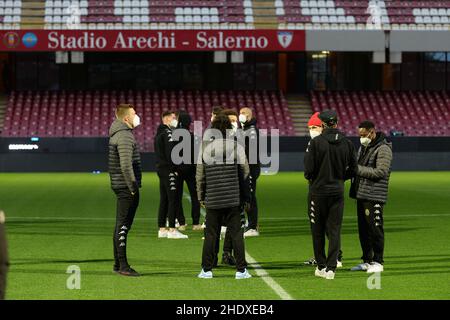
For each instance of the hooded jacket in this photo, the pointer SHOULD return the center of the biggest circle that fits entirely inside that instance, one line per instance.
(374, 169)
(124, 158)
(330, 159)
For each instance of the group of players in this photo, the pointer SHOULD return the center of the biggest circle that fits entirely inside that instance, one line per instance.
(228, 189)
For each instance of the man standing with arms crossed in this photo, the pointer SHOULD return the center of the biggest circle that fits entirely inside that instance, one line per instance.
(329, 160)
(370, 189)
(125, 174)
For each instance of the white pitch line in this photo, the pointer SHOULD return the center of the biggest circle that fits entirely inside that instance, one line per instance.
(262, 218)
(263, 274)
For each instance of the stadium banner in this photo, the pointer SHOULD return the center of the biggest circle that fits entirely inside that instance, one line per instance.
(152, 40)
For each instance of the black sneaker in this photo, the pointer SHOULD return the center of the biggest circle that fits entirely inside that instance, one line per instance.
(228, 259)
(129, 272)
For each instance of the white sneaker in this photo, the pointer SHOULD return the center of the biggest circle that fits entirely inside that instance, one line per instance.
(251, 233)
(163, 233)
(176, 235)
(339, 264)
(243, 275)
(203, 225)
(361, 267)
(177, 224)
(375, 267)
(197, 227)
(183, 227)
(320, 273)
(329, 275)
(205, 275)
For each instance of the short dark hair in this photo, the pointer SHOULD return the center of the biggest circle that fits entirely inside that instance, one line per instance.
(367, 125)
(166, 113)
(123, 109)
(221, 122)
(230, 112)
(217, 110)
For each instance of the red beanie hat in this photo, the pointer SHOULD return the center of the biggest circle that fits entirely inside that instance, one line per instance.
(314, 120)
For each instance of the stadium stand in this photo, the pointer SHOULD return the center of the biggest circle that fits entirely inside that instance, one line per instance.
(89, 113)
(260, 14)
(415, 113)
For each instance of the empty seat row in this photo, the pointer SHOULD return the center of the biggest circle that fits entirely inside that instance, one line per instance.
(71, 114)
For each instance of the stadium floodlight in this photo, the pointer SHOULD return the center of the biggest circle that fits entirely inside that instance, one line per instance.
(237, 57)
(77, 57)
(378, 57)
(61, 57)
(395, 57)
(220, 57)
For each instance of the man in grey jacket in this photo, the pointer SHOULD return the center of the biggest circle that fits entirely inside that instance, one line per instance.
(3, 256)
(125, 174)
(222, 187)
(370, 188)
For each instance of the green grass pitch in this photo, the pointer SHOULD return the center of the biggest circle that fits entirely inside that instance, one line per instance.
(58, 220)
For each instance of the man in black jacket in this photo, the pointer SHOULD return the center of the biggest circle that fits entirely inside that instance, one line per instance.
(169, 180)
(251, 136)
(186, 172)
(329, 160)
(370, 188)
(3, 256)
(125, 174)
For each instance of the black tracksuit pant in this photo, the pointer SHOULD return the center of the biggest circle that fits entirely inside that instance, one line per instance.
(127, 205)
(253, 212)
(340, 254)
(325, 216)
(189, 177)
(371, 232)
(3, 261)
(169, 201)
(214, 220)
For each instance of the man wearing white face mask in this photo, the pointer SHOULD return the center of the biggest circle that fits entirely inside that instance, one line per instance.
(370, 188)
(169, 180)
(125, 174)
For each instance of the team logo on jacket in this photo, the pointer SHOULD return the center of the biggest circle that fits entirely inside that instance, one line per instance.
(285, 38)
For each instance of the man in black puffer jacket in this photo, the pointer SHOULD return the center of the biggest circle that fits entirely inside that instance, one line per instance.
(370, 188)
(330, 159)
(222, 173)
(125, 174)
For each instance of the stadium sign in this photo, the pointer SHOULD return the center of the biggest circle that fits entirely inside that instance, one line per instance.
(153, 40)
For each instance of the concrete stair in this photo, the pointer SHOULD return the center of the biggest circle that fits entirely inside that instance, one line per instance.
(300, 110)
(33, 13)
(3, 103)
(264, 14)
